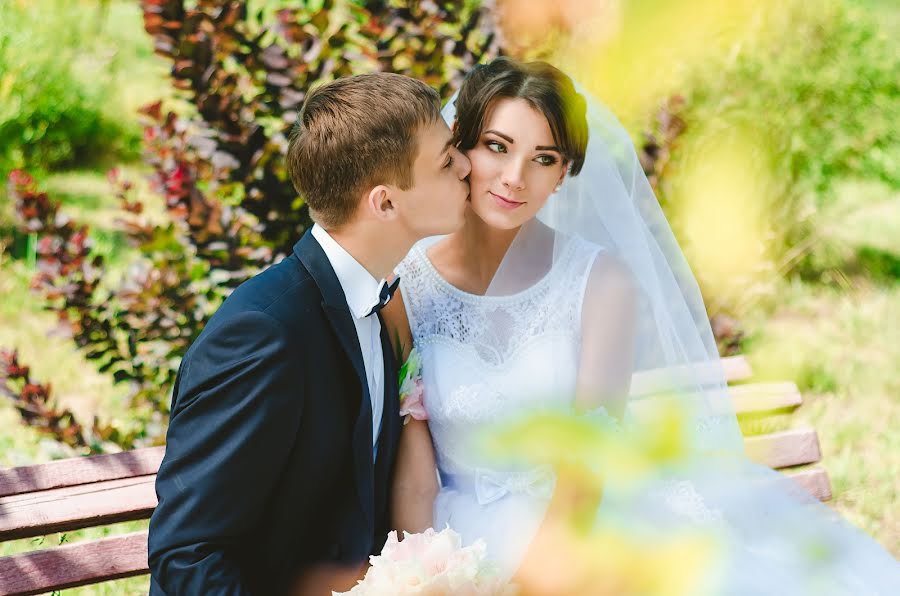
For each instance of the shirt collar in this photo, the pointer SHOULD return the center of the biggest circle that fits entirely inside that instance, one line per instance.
(360, 288)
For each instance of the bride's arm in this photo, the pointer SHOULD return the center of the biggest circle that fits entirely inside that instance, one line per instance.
(607, 337)
(553, 559)
(415, 481)
(604, 373)
(415, 484)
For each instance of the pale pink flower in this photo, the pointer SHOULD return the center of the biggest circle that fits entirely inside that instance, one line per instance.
(431, 563)
(412, 403)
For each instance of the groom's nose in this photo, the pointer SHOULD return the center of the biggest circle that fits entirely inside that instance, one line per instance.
(463, 165)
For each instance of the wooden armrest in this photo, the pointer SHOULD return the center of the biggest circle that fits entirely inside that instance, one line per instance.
(814, 480)
(765, 397)
(783, 449)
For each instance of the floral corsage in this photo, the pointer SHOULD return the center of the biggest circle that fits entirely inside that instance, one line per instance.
(412, 388)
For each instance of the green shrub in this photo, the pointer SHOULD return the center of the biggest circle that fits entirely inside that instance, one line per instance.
(816, 86)
(824, 76)
(57, 108)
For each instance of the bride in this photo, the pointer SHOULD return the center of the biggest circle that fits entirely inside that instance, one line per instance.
(565, 291)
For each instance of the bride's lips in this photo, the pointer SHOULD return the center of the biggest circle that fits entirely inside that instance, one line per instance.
(504, 202)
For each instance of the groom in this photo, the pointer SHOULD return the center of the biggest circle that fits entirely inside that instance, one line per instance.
(284, 419)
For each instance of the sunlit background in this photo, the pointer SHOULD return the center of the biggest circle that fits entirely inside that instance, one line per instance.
(769, 130)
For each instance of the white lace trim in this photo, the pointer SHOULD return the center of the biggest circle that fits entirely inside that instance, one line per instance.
(496, 327)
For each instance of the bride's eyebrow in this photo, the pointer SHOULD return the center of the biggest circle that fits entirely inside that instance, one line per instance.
(506, 138)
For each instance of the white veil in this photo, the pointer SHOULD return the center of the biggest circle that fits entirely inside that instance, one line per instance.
(770, 535)
(610, 203)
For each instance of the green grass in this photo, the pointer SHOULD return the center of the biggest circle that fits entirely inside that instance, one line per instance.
(839, 339)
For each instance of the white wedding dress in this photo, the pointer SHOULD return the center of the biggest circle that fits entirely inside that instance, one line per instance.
(485, 359)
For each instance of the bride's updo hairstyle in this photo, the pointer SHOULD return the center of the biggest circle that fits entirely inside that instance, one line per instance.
(547, 89)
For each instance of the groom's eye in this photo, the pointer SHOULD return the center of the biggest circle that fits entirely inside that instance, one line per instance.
(449, 162)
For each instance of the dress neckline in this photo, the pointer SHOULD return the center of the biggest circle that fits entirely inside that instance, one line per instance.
(470, 297)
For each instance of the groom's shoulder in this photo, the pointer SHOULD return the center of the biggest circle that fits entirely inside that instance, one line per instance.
(285, 291)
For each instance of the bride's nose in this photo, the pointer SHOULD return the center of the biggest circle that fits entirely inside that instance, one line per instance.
(513, 175)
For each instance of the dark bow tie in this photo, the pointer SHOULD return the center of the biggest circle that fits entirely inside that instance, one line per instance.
(385, 295)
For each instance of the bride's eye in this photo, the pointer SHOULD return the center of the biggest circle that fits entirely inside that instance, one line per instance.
(546, 160)
(496, 146)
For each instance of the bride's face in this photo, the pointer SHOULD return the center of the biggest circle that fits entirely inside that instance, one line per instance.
(515, 165)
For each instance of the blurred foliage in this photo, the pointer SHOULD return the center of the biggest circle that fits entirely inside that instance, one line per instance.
(578, 550)
(56, 85)
(243, 69)
(763, 110)
(747, 117)
(815, 90)
(40, 411)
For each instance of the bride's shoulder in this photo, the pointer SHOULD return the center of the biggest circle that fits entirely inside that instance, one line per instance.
(412, 264)
(581, 252)
(608, 276)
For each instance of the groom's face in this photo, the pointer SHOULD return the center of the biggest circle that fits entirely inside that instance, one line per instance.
(436, 202)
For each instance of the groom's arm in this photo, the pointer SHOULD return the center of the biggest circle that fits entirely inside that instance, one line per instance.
(232, 428)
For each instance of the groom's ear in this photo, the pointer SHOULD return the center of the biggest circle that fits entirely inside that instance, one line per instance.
(378, 203)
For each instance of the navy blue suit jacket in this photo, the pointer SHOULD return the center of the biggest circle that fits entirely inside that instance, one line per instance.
(268, 467)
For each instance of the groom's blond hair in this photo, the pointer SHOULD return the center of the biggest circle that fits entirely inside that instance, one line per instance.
(353, 134)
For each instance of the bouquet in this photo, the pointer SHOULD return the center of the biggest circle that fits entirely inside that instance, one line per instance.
(431, 563)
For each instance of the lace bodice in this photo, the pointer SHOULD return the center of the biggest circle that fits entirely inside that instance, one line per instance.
(483, 356)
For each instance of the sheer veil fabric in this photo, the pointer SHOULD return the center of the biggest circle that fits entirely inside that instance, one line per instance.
(611, 205)
(518, 349)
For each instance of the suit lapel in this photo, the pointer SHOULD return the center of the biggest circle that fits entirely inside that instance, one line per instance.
(334, 304)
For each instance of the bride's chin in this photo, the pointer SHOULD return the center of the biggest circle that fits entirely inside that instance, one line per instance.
(497, 218)
(501, 222)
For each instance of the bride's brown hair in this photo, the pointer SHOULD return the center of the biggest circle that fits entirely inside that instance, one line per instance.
(546, 88)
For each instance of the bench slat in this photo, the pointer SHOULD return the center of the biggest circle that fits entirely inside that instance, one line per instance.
(736, 368)
(80, 470)
(765, 397)
(73, 508)
(783, 449)
(660, 381)
(74, 565)
(815, 480)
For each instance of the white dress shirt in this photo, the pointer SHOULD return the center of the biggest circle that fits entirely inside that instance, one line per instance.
(362, 293)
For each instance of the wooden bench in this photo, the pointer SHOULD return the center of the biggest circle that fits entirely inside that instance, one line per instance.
(67, 495)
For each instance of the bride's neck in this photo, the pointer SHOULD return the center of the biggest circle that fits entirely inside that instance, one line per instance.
(483, 247)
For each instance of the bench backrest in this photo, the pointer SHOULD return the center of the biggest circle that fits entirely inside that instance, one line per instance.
(93, 491)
